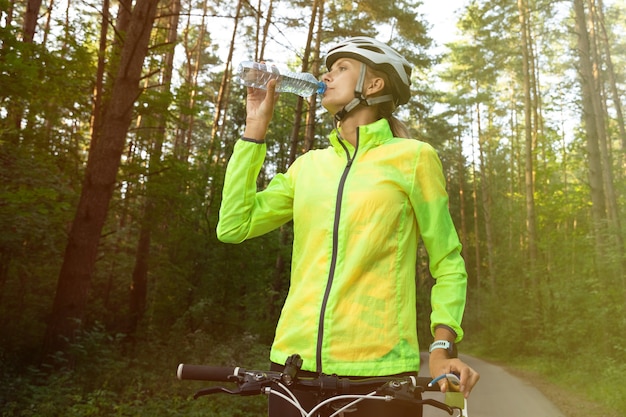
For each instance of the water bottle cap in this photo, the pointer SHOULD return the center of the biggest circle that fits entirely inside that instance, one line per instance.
(321, 87)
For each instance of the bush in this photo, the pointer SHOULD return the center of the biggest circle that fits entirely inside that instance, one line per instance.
(117, 376)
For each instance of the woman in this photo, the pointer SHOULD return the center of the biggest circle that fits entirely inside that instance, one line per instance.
(358, 209)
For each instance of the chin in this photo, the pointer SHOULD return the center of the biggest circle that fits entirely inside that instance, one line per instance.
(328, 108)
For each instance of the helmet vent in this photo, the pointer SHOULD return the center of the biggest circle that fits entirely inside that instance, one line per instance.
(372, 48)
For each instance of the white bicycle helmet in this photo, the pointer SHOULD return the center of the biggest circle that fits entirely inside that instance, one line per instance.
(378, 56)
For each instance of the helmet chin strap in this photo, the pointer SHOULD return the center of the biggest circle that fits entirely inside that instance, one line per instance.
(359, 98)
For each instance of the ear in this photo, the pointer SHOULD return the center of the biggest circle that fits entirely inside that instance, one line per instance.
(375, 85)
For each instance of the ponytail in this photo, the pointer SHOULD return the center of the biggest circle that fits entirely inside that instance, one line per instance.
(398, 128)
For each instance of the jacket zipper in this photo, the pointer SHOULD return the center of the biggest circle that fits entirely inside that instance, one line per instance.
(333, 261)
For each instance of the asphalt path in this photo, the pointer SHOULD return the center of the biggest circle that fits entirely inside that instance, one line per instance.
(497, 394)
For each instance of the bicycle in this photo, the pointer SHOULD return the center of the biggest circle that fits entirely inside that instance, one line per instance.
(331, 387)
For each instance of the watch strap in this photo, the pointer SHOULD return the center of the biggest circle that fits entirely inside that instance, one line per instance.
(446, 345)
(440, 344)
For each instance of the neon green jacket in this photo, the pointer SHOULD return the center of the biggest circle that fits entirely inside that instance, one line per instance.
(357, 214)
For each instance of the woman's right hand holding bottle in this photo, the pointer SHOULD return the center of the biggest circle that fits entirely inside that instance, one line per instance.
(259, 110)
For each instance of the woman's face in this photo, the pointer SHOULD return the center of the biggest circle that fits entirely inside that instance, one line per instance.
(340, 83)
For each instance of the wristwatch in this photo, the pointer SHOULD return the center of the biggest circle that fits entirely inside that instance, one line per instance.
(450, 347)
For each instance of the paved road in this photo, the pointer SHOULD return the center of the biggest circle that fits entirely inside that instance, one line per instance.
(498, 394)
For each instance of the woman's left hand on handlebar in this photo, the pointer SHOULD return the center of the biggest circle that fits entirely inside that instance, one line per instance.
(441, 364)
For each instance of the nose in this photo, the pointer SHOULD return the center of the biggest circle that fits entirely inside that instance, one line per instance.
(326, 77)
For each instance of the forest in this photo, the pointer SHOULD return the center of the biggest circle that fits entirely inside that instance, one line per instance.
(117, 120)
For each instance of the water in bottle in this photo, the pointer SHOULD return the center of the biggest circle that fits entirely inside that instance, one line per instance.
(254, 74)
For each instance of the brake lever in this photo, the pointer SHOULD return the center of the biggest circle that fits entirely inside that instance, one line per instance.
(246, 388)
(407, 392)
(214, 390)
(440, 405)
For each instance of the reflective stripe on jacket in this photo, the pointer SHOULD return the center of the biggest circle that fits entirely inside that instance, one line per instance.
(357, 213)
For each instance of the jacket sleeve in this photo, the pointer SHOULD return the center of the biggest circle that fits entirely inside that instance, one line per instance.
(442, 243)
(244, 212)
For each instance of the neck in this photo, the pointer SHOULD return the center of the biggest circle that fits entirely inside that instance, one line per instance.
(349, 126)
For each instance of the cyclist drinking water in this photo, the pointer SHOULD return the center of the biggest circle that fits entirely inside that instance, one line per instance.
(359, 207)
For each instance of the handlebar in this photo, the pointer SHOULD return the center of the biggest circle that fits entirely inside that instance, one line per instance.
(208, 373)
(254, 382)
(322, 382)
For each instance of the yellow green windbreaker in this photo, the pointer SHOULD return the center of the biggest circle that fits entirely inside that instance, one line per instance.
(357, 214)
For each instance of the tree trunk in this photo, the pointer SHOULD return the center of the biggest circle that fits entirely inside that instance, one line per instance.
(8, 20)
(532, 318)
(46, 28)
(15, 108)
(298, 114)
(269, 16)
(182, 145)
(71, 296)
(514, 179)
(615, 94)
(476, 217)
(529, 129)
(460, 159)
(485, 193)
(309, 135)
(30, 20)
(96, 113)
(598, 206)
(139, 286)
(602, 116)
(221, 107)
(621, 159)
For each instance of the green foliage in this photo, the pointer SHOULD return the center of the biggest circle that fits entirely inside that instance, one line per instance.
(35, 210)
(116, 376)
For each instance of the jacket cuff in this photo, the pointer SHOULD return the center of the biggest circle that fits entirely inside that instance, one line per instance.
(447, 328)
(259, 141)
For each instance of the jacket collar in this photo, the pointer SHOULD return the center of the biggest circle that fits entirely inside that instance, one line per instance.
(370, 136)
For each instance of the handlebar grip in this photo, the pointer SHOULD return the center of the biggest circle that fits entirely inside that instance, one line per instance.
(207, 373)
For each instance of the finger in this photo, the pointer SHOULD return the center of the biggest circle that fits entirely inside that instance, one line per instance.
(271, 87)
(473, 380)
(469, 378)
(465, 374)
(272, 95)
(443, 385)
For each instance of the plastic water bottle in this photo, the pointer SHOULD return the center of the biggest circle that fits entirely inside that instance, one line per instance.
(254, 74)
